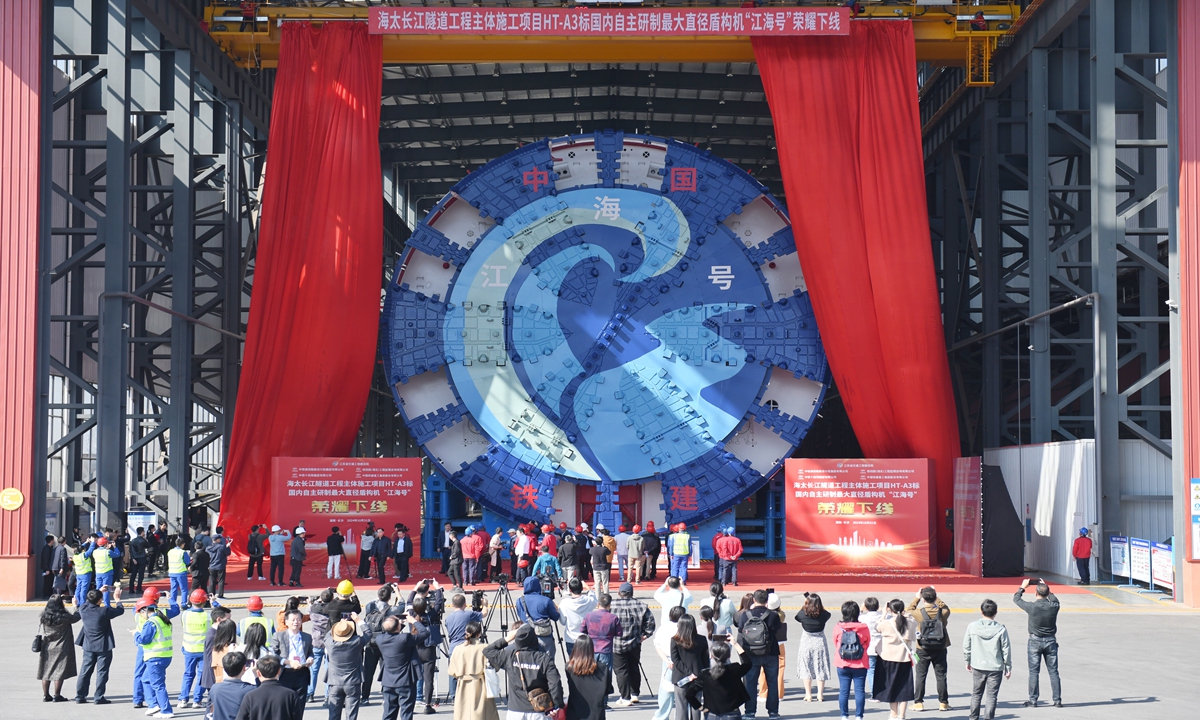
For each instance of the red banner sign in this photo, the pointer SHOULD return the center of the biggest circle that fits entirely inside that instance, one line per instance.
(610, 21)
(855, 512)
(968, 516)
(346, 493)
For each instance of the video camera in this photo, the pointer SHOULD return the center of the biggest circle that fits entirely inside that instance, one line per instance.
(503, 579)
(477, 600)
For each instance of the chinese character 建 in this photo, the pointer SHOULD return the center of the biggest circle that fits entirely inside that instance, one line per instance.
(684, 497)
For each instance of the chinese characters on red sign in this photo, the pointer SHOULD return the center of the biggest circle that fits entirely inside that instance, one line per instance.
(346, 493)
(610, 21)
(859, 512)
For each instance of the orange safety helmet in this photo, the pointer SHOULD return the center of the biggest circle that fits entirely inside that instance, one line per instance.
(254, 603)
(522, 563)
(151, 594)
(198, 597)
(145, 603)
(101, 541)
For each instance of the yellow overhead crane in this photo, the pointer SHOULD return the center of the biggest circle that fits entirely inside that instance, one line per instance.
(947, 33)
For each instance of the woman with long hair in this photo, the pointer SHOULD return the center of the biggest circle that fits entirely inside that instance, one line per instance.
(813, 655)
(689, 656)
(224, 641)
(852, 667)
(471, 701)
(588, 682)
(893, 670)
(56, 661)
(722, 685)
(254, 647)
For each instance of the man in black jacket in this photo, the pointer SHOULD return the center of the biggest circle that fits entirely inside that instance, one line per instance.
(254, 548)
(651, 547)
(528, 667)
(271, 700)
(138, 554)
(402, 552)
(45, 565)
(381, 550)
(399, 654)
(96, 639)
(762, 653)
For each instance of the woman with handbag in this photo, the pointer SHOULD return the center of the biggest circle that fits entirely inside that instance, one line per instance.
(588, 683)
(471, 701)
(689, 657)
(55, 648)
(894, 670)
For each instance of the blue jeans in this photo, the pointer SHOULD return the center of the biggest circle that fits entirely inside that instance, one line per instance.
(1043, 647)
(103, 579)
(679, 566)
(605, 659)
(871, 676)
(139, 667)
(83, 583)
(622, 564)
(192, 670)
(154, 679)
(318, 661)
(179, 584)
(769, 664)
(666, 696)
(857, 676)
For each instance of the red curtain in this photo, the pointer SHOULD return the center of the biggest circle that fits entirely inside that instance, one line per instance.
(849, 140)
(314, 312)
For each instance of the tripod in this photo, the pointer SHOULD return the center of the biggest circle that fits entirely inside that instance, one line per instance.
(505, 607)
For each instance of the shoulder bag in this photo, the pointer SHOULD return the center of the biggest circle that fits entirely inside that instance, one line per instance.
(539, 698)
(39, 640)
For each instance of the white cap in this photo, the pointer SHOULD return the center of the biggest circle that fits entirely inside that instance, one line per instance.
(599, 526)
(583, 525)
(275, 528)
(301, 531)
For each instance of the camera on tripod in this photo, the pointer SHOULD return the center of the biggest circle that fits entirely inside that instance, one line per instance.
(502, 579)
(477, 600)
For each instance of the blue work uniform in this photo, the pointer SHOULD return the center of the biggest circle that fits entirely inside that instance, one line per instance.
(157, 647)
(679, 547)
(83, 573)
(195, 626)
(178, 561)
(139, 663)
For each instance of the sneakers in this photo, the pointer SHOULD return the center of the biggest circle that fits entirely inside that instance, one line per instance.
(1058, 703)
(635, 700)
(918, 707)
(623, 703)
(429, 710)
(152, 711)
(165, 715)
(185, 704)
(944, 707)
(1029, 703)
(260, 577)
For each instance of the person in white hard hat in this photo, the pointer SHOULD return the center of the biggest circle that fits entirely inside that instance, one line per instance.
(277, 538)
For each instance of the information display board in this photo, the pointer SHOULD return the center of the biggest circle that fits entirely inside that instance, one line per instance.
(968, 516)
(859, 512)
(1118, 548)
(1162, 565)
(346, 493)
(1139, 560)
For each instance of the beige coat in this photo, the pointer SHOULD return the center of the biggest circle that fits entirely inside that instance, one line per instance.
(471, 701)
(893, 646)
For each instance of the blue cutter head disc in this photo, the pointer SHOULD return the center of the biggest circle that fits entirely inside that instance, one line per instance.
(608, 309)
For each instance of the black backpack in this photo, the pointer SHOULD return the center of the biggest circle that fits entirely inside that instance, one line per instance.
(931, 633)
(850, 646)
(754, 635)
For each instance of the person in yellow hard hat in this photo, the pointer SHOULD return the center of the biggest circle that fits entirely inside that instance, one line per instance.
(343, 604)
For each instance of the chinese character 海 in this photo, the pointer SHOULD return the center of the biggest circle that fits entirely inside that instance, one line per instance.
(606, 207)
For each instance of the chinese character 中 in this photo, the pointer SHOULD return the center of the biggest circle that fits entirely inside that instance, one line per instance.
(684, 497)
(524, 496)
(683, 179)
(534, 178)
(721, 276)
(609, 208)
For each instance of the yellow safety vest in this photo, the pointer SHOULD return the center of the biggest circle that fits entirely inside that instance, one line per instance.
(83, 564)
(268, 625)
(683, 544)
(195, 626)
(175, 564)
(103, 559)
(160, 646)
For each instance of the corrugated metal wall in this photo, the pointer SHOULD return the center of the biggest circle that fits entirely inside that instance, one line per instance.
(20, 62)
(1053, 486)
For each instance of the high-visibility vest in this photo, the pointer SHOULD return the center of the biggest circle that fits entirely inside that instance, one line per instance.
(682, 544)
(83, 564)
(268, 625)
(195, 626)
(103, 561)
(160, 646)
(175, 564)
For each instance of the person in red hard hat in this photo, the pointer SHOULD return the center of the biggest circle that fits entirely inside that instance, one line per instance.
(195, 623)
(156, 644)
(150, 598)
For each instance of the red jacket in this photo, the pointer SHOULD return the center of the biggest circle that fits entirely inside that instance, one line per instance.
(472, 545)
(864, 638)
(728, 547)
(550, 543)
(1082, 547)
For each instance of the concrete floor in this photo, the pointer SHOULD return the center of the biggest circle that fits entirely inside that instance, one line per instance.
(1122, 656)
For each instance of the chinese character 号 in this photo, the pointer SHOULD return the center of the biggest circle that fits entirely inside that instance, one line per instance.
(722, 276)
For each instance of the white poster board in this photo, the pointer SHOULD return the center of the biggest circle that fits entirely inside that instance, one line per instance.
(136, 520)
(1118, 548)
(1139, 560)
(1162, 565)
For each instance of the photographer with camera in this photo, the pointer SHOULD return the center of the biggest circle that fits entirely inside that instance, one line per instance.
(426, 608)
(537, 610)
(387, 604)
(456, 621)
(575, 606)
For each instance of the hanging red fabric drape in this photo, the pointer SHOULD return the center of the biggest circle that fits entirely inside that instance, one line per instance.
(314, 311)
(849, 140)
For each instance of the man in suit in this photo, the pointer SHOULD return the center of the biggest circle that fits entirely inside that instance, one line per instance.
(295, 650)
(271, 700)
(226, 696)
(381, 550)
(402, 552)
(96, 639)
(399, 653)
(445, 546)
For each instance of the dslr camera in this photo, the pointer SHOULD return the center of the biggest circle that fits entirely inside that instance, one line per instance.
(477, 600)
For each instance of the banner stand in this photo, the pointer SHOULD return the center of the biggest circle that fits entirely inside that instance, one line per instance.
(1118, 546)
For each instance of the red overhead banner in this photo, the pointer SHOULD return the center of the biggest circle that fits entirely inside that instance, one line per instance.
(603, 22)
(855, 512)
(346, 493)
(968, 515)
